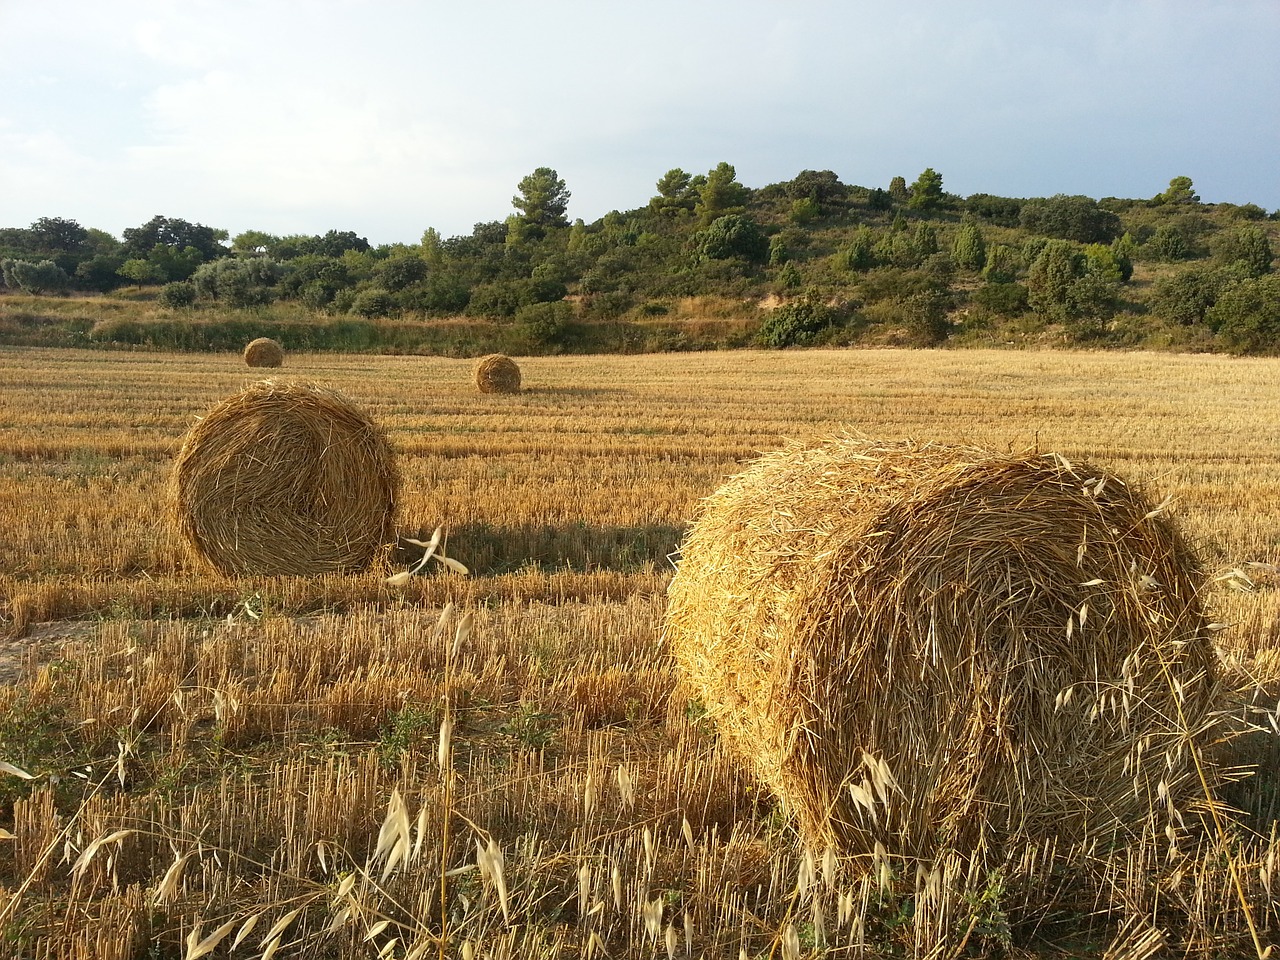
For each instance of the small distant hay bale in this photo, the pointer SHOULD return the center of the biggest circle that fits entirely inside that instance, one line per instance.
(932, 647)
(263, 352)
(497, 373)
(284, 478)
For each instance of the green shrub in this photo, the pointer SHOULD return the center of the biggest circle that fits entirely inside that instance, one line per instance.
(968, 248)
(1005, 299)
(42, 277)
(374, 302)
(344, 300)
(897, 248)
(440, 293)
(236, 282)
(890, 283)
(796, 323)
(316, 295)
(1003, 211)
(545, 324)
(1069, 218)
(1247, 245)
(609, 305)
(789, 277)
(1003, 264)
(502, 298)
(180, 293)
(805, 210)
(859, 254)
(141, 271)
(733, 237)
(1168, 243)
(303, 272)
(1246, 315)
(402, 271)
(99, 272)
(498, 300)
(921, 316)
(939, 266)
(925, 318)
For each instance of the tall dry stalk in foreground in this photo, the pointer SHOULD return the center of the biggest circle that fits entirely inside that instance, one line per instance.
(445, 758)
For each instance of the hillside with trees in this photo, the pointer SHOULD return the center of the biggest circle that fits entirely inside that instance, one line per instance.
(707, 263)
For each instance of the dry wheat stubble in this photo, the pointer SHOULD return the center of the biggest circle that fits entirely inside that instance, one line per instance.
(656, 430)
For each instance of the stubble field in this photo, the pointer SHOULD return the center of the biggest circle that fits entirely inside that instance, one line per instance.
(260, 762)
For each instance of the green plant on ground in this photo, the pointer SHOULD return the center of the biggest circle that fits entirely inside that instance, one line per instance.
(405, 730)
(530, 727)
(797, 323)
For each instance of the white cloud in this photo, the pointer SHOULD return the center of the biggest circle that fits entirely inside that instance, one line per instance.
(39, 161)
(389, 117)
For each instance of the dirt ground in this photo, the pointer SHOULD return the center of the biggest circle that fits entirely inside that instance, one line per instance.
(21, 657)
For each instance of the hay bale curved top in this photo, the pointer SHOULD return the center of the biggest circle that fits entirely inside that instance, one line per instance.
(497, 373)
(263, 352)
(928, 646)
(284, 478)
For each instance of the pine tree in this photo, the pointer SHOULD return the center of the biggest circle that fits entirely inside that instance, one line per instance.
(721, 194)
(925, 241)
(860, 253)
(968, 249)
(926, 192)
(1002, 264)
(543, 199)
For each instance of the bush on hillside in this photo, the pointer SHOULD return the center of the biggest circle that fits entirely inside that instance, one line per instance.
(797, 323)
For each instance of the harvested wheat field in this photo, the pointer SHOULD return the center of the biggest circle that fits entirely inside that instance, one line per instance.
(511, 764)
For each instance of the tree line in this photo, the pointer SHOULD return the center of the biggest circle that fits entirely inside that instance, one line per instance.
(837, 263)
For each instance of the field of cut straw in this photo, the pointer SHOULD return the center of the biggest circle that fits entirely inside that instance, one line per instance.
(505, 764)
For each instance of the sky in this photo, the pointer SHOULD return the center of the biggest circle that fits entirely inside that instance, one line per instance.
(389, 117)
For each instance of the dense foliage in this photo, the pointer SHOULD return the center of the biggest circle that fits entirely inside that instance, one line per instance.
(810, 260)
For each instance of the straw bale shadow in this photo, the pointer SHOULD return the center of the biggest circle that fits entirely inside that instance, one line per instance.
(1252, 745)
(489, 549)
(542, 390)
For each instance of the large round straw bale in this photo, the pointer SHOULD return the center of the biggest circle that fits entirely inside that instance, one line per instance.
(497, 373)
(284, 478)
(929, 647)
(263, 352)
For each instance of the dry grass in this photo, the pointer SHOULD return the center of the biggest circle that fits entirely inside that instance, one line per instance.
(497, 373)
(284, 478)
(270, 742)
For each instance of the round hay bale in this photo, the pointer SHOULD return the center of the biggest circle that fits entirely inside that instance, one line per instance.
(263, 352)
(932, 647)
(284, 478)
(497, 373)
